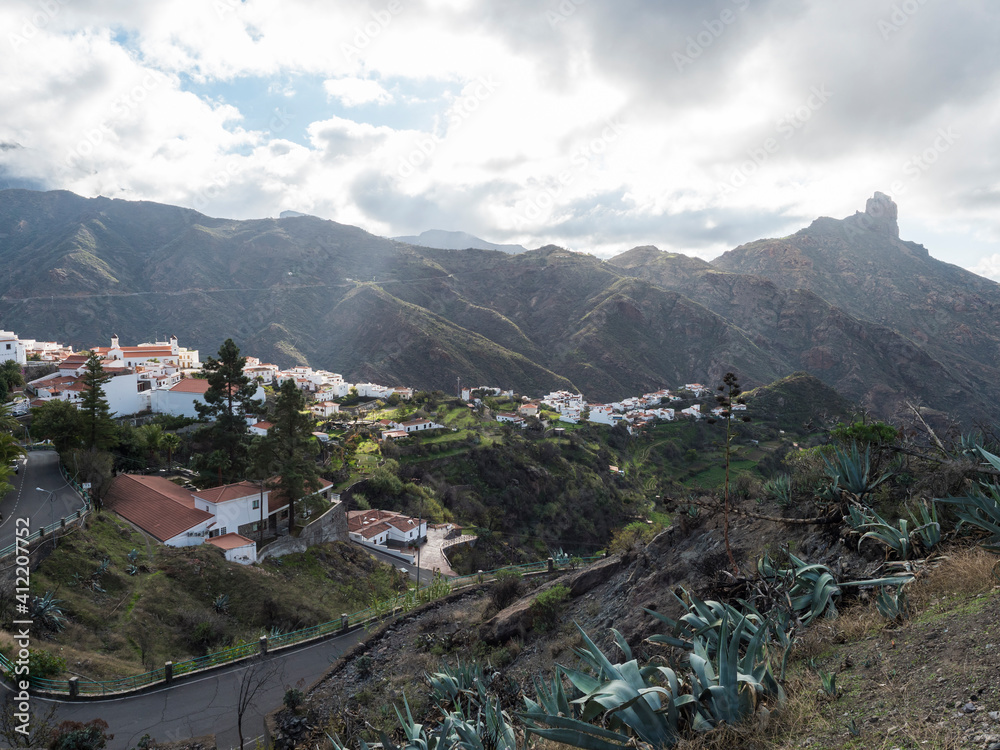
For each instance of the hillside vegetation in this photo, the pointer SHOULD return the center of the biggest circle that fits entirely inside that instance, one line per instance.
(129, 604)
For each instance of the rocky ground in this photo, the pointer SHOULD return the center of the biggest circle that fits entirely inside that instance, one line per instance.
(933, 682)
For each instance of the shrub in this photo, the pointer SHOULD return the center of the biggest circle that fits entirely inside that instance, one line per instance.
(44, 664)
(74, 735)
(506, 588)
(544, 610)
(293, 698)
(635, 535)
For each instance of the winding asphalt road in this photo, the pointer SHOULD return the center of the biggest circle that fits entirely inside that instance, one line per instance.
(40, 469)
(192, 707)
(207, 704)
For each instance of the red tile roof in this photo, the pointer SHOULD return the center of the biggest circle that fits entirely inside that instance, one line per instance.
(229, 492)
(154, 504)
(232, 540)
(191, 385)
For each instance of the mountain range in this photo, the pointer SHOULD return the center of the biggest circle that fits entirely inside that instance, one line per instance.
(445, 240)
(869, 314)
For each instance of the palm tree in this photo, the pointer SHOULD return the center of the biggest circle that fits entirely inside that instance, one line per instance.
(151, 438)
(171, 442)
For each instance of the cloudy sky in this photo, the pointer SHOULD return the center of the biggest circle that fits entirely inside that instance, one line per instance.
(597, 126)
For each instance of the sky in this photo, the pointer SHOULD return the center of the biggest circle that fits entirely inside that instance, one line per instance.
(596, 126)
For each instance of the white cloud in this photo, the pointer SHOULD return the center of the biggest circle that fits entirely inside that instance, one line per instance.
(988, 267)
(353, 92)
(577, 128)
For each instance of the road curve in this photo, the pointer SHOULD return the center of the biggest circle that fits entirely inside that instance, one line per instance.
(205, 704)
(41, 469)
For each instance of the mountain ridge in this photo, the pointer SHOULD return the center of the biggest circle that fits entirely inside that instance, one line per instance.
(340, 298)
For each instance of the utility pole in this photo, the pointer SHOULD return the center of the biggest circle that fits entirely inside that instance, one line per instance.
(458, 386)
(419, 524)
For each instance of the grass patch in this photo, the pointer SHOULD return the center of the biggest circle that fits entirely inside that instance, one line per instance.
(166, 611)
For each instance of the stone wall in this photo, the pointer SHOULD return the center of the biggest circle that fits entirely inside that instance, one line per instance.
(329, 527)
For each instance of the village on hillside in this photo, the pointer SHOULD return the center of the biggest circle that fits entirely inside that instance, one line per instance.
(250, 520)
(163, 378)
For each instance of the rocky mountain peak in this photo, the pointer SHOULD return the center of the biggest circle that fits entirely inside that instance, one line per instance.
(880, 215)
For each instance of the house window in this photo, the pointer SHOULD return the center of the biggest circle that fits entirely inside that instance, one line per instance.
(256, 504)
(222, 531)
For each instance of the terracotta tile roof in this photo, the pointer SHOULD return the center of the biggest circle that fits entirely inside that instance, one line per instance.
(232, 540)
(263, 425)
(147, 351)
(154, 504)
(229, 492)
(373, 530)
(191, 385)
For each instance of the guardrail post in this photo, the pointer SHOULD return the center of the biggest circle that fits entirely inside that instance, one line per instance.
(74, 687)
(344, 621)
(263, 645)
(168, 672)
(552, 564)
(62, 523)
(479, 576)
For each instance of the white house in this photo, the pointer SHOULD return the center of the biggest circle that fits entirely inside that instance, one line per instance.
(603, 414)
(371, 390)
(238, 549)
(324, 409)
(180, 398)
(510, 417)
(180, 518)
(384, 528)
(12, 349)
(419, 425)
(255, 369)
(161, 351)
(692, 411)
(260, 428)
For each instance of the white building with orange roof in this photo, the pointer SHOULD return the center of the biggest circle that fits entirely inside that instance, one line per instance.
(237, 548)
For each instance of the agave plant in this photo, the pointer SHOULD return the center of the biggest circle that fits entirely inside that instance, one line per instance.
(928, 526)
(850, 471)
(221, 603)
(779, 489)
(471, 721)
(47, 611)
(980, 508)
(892, 603)
(813, 590)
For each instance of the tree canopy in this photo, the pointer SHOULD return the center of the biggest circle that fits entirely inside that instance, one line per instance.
(228, 401)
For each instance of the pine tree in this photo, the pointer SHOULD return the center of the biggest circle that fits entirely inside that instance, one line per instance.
(228, 400)
(99, 429)
(289, 439)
